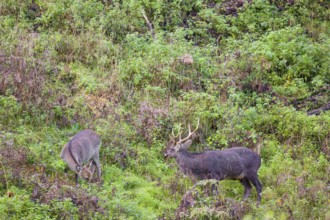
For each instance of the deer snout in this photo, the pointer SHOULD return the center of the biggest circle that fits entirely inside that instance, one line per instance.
(170, 152)
(86, 173)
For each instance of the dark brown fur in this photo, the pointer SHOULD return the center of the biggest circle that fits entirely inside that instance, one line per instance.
(238, 163)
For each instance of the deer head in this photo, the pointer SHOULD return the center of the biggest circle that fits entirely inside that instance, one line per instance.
(86, 172)
(178, 143)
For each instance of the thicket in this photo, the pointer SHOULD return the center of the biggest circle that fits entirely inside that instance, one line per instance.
(255, 73)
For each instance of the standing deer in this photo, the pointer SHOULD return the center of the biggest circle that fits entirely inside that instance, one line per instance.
(83, 147)
(237, 163)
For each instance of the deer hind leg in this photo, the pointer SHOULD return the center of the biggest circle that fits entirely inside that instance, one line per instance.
(247, 187)
(98, 166)
(255, 181)
(215, 189)
(66, 172)
(77, 176)
(260, 189)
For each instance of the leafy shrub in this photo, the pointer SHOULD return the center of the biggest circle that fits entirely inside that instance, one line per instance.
(295, 61)
(12, 7)
(19, 205)
(10, 109)
(202, 202)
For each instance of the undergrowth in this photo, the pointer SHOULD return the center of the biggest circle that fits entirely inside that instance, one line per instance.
(254, 73)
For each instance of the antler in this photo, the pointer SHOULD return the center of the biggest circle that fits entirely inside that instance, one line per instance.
(173, 137)
(189, 135)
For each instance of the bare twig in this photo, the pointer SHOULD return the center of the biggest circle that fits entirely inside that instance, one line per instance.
(149, 24)
(319, 110)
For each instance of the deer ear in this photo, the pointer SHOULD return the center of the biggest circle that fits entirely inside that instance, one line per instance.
(185, 145)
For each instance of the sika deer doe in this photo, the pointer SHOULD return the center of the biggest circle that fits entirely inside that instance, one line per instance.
(83, 147)
(237, 163)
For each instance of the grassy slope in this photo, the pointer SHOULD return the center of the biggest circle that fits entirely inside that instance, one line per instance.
(257, 69)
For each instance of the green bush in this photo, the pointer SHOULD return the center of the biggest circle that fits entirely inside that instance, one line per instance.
(291, 61)
(10, 111)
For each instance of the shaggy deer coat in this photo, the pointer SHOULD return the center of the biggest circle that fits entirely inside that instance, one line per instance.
(237, 163)
(83, 147)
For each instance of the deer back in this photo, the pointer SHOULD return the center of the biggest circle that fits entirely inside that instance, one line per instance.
(231, 163)
(83, 147)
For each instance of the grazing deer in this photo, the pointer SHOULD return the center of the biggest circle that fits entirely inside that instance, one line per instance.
(237, 163)
(83, 147)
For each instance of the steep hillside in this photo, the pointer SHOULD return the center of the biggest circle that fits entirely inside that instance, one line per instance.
(254, 73)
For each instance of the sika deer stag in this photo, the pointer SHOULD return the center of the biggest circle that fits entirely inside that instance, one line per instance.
(237, 163)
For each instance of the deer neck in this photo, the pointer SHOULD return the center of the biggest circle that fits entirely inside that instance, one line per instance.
(190, 163)
(73, 157)
(187, 158)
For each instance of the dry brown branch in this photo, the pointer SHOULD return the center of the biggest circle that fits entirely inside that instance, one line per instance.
(319, 110)
(149, 24)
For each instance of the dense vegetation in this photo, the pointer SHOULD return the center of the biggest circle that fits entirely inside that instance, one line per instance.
(256, 73)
